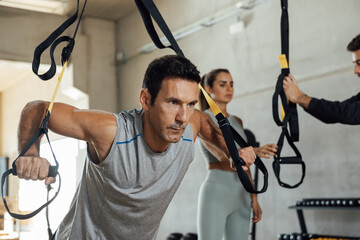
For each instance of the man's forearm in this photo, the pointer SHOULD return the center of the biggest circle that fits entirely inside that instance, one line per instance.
(304, 101)
(30, 121)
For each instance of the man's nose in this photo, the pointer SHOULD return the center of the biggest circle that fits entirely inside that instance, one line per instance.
(181, 115)
(357, 69)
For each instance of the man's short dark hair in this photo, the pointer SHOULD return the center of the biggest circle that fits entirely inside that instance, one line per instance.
(354, 45)
(169, 66)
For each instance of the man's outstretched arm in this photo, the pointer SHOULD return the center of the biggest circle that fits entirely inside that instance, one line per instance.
(97, 128)
(346, 112)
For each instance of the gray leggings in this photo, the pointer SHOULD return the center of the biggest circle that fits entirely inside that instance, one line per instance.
(223, 208)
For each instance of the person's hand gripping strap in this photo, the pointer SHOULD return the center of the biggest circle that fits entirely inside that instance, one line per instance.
(289, 111)
(231, 136)
(53, 170)
(148, 9)
(289, 116)
(52, 40)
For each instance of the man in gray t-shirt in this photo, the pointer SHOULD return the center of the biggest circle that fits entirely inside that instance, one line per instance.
(136, 160)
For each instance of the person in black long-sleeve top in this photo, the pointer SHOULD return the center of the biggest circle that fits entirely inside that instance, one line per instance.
(346, 112)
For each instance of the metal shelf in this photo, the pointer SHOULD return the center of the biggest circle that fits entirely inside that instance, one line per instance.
(316, 205)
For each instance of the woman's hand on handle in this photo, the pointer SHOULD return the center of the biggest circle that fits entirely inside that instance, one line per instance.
(248, 155)
(266, 151)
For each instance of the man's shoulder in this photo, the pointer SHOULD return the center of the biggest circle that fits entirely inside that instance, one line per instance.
(131, 115)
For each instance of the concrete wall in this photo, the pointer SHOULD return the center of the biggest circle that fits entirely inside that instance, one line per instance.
(319, 33)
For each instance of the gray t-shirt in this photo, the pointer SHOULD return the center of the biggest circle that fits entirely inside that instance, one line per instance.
(125, 196)
(209, 158)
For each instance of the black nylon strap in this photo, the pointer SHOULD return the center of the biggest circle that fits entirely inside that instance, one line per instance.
(289, 108)
(30, 215)
(147, 9)
(285, 28)
(50, 234)
(53, 41)
(279, 92)
(231, 136)
(296, 160)
(291, 117)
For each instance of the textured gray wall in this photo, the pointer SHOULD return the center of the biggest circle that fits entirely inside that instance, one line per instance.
(319, 33)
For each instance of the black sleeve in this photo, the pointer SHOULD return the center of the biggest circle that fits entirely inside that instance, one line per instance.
(346, 112)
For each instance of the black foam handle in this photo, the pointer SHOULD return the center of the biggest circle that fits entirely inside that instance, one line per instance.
(290, 160)
(53, 171)
(276, 167)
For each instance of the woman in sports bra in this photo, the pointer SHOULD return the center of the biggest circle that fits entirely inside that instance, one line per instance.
(224, 205)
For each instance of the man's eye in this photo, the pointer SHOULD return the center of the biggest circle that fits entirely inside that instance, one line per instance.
(172, 102)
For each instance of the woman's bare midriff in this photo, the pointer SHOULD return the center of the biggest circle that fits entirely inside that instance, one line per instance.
(225, 166)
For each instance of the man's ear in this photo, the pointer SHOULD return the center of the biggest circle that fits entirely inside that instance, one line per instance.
(145, 99)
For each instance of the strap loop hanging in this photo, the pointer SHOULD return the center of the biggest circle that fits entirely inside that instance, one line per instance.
(294, 160)
(53, 171)
(231, 136)
(148, 9)
(290, 116)
(53, 41)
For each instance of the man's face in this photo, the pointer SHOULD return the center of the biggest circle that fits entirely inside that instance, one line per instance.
(356, 60)
(172, 109)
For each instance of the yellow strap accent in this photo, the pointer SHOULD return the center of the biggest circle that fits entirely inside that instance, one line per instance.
(282, 113)
(214, 108)
(57, 87)
(283, 64)
(283, 61)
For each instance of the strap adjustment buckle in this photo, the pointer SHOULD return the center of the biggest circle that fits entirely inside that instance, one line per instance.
(66, 52)
(223, 122)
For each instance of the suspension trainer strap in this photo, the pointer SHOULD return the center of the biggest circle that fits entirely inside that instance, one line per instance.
(53, 171)
(231, 136)
(52, 40)
(289, 116)
(278, 160)
(147, 10)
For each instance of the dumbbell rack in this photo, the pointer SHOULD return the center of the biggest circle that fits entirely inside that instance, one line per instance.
(307, 236)
(320, 203)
